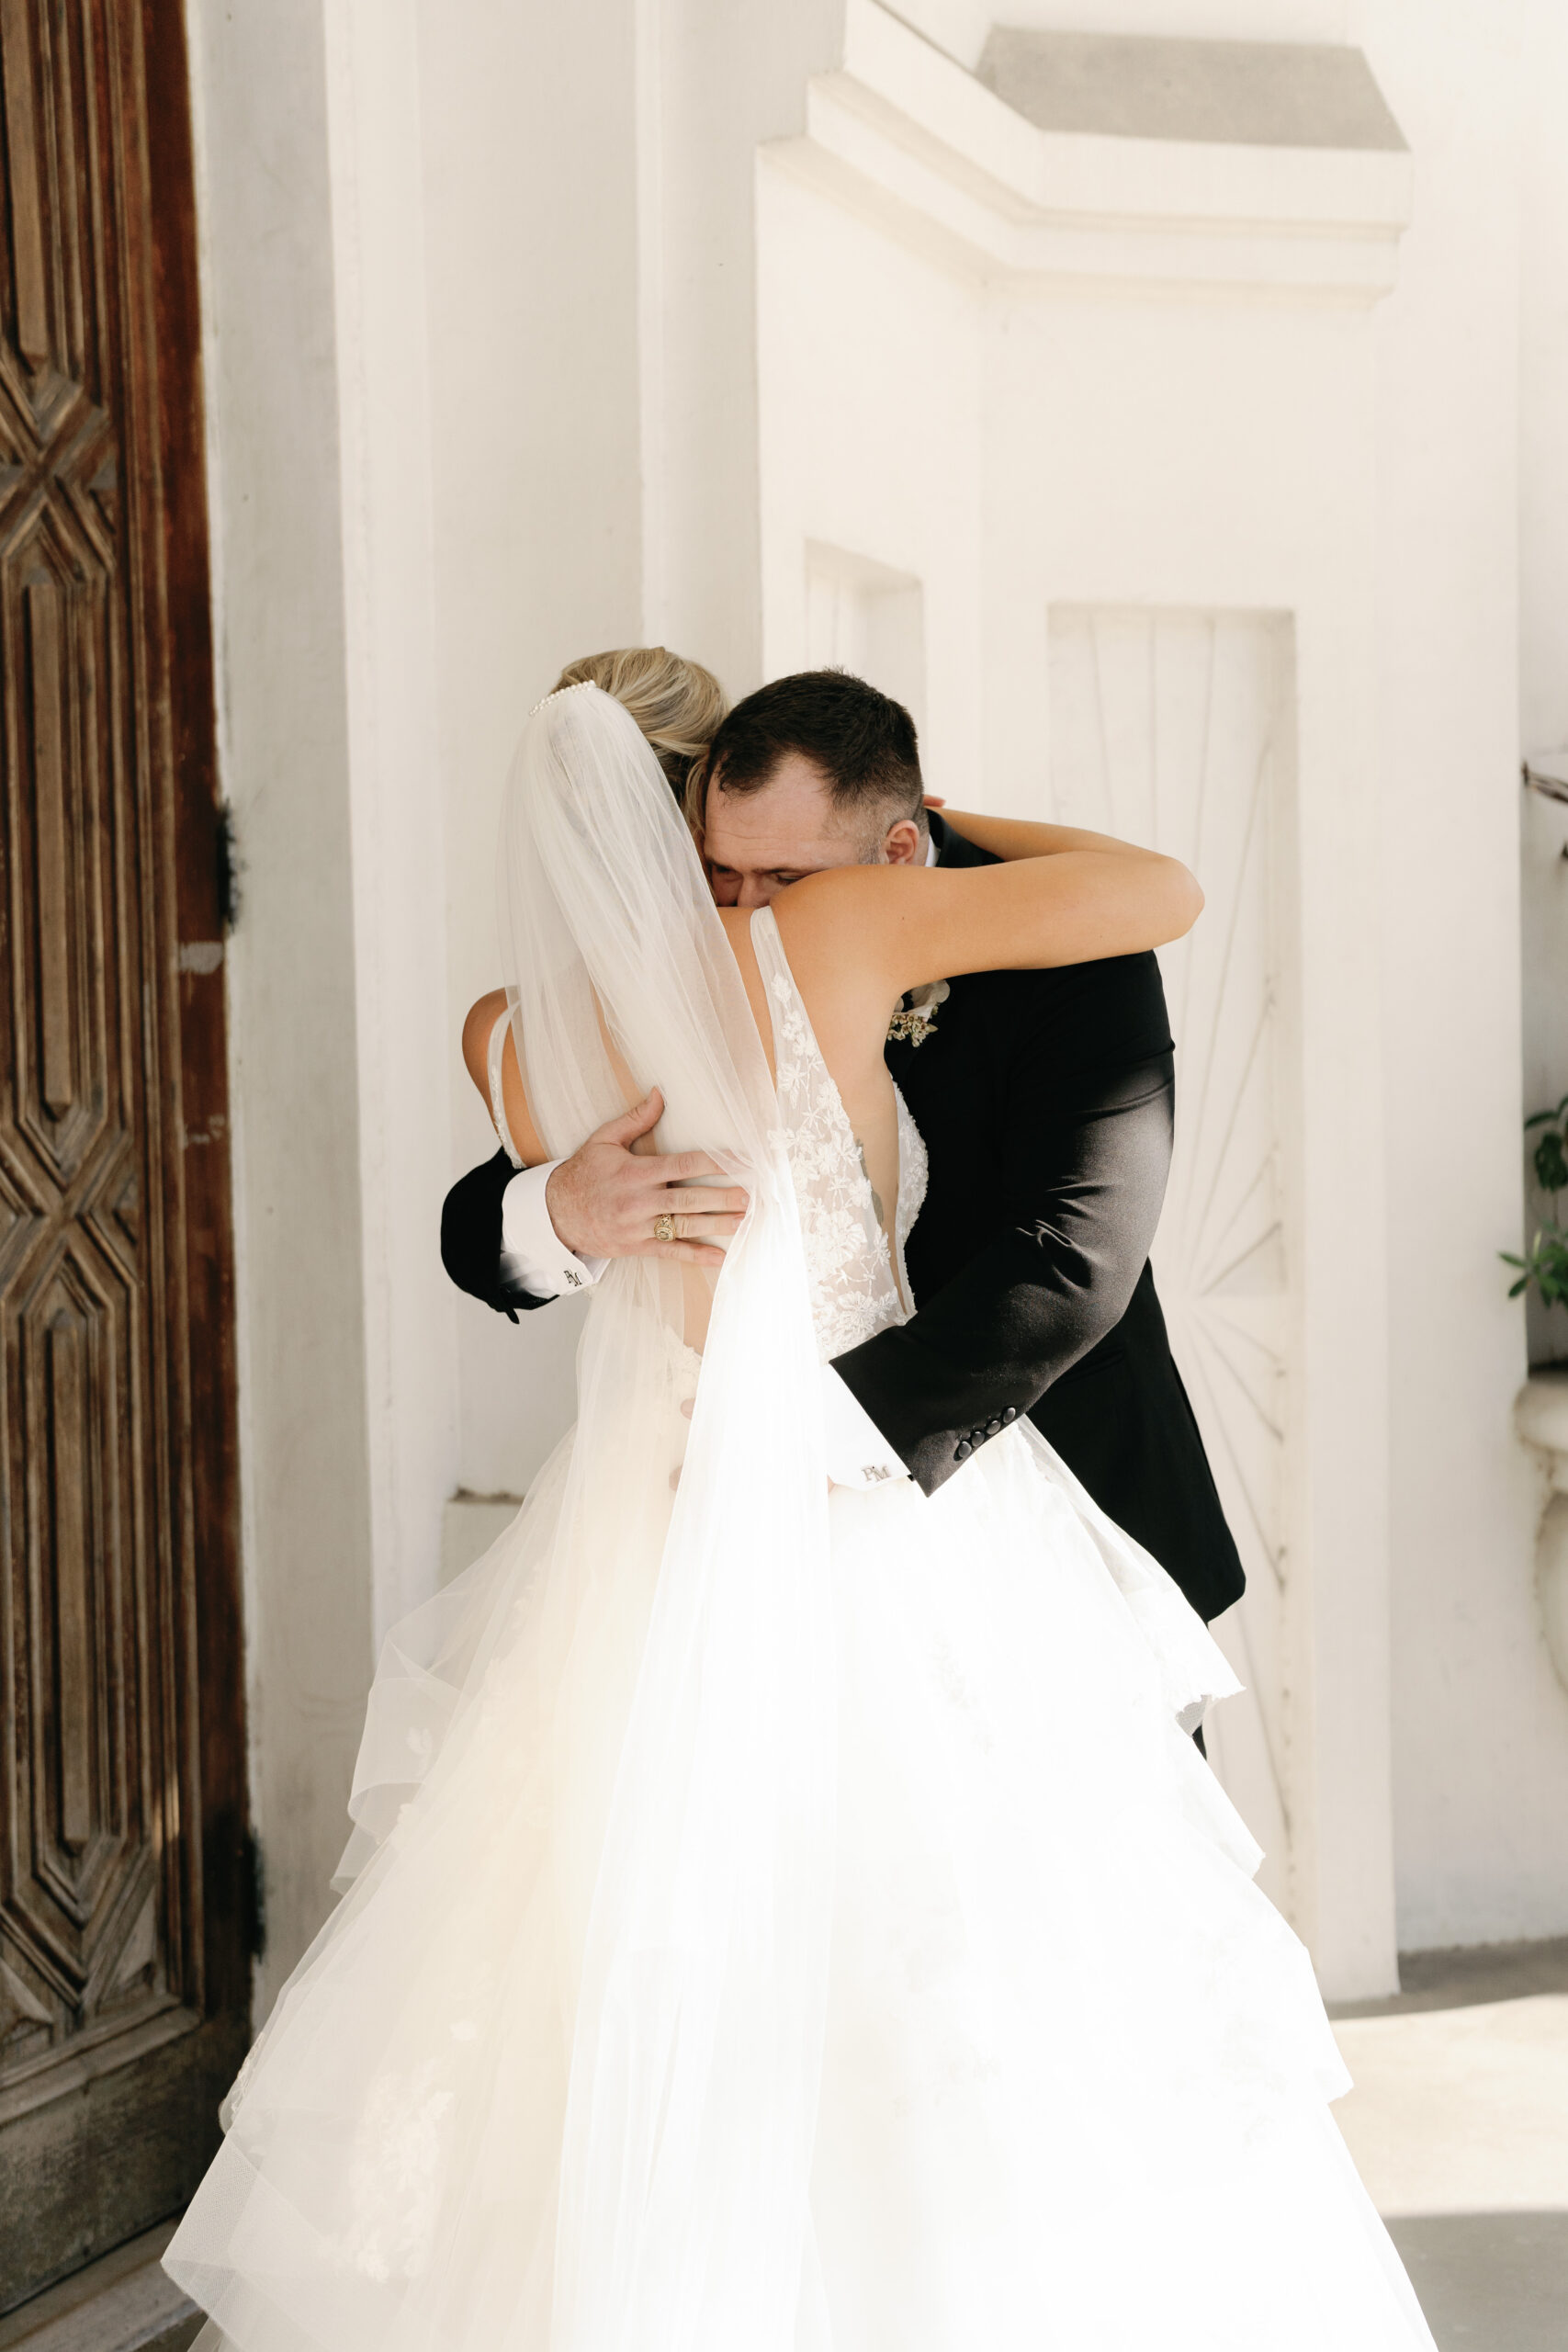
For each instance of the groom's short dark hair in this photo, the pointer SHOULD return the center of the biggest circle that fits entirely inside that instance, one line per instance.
(863, 743)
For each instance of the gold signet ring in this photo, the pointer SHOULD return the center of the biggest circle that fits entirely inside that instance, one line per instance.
(664, 1228)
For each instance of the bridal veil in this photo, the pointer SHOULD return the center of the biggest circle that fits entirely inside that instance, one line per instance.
(635, 2088)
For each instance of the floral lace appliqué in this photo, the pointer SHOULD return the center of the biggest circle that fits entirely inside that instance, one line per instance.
(853, 1292)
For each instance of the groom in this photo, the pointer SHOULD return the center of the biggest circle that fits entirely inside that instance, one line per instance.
(1045, 1101)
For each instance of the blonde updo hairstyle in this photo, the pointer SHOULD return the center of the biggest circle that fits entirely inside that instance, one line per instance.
(677, 703)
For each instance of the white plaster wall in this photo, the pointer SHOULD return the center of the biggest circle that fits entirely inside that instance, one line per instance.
(719, 78)
(404, 1039)
(1134, 459)
(1543, 580)
(1481, 1726)
(871, 442)
(265, 207)
(531, 240)
(591, 244)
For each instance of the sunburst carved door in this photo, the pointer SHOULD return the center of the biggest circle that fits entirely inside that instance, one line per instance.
(1177, 728)
(123, 1926)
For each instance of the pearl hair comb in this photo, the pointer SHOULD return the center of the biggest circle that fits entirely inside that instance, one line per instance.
(577, 686)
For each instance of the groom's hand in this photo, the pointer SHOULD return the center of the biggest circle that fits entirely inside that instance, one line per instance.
(603, 1200)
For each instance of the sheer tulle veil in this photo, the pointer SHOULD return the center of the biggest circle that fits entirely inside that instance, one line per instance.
(647, 2077)
(705, 1978)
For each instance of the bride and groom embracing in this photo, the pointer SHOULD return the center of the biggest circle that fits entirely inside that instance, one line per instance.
(785, 1912)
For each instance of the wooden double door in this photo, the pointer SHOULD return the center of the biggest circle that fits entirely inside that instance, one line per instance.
(125, 1897)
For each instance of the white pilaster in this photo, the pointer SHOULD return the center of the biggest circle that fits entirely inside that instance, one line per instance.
(265, 205)
(406, 1043)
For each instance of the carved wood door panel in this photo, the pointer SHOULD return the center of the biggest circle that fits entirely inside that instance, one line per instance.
(123, 1925)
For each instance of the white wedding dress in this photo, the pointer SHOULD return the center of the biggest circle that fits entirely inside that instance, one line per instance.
(777, 1924)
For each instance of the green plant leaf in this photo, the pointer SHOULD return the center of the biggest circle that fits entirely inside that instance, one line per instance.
(1550, 1163)
(1545, 1263)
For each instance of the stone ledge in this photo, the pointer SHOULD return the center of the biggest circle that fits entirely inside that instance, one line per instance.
(1540, 1416)
(1226, 93)
(470, 1525)
(125, 2302)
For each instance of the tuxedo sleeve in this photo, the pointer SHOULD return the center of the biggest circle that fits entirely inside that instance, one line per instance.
(532, 1252)
(471, 1243)
(1083, 1167)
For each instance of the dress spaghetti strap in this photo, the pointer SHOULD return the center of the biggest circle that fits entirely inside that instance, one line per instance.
(497, 1091)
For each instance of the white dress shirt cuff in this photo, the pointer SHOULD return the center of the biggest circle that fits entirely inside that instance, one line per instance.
(533, 1255)
(858, 1453)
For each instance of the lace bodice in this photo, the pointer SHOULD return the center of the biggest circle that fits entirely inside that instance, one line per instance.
(849, 1260)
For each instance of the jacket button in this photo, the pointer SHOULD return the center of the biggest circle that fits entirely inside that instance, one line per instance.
(963, 1449)
(992, 1427)
(1011, 1415)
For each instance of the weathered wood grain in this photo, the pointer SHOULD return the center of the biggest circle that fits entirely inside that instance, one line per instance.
(124, 1860)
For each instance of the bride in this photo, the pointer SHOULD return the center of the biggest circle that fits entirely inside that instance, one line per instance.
(785, 1919)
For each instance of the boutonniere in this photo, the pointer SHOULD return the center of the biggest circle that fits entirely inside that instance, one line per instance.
(915, 1016)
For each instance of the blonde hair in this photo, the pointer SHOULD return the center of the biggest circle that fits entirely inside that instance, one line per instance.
(677, 703)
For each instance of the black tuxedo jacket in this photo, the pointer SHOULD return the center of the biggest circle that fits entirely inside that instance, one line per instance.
(1045, 1101)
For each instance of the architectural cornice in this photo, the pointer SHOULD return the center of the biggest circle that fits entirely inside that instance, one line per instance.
(903, 133)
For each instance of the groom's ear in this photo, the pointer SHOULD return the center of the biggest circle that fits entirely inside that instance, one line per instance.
(905, 843)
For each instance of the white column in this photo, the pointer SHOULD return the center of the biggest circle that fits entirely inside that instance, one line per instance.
(1481, 1736)
(311, 202)
(273, 414)
(1339, 1667)
(725, 76)
(529, 139)
(405, 1039)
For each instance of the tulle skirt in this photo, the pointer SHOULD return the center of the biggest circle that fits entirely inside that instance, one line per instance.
(1075, 2085)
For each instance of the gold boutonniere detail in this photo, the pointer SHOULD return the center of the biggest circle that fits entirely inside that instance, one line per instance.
(915, 1016)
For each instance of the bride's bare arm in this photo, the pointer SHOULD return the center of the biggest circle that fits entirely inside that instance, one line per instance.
(482, 1018)
(899, 926)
